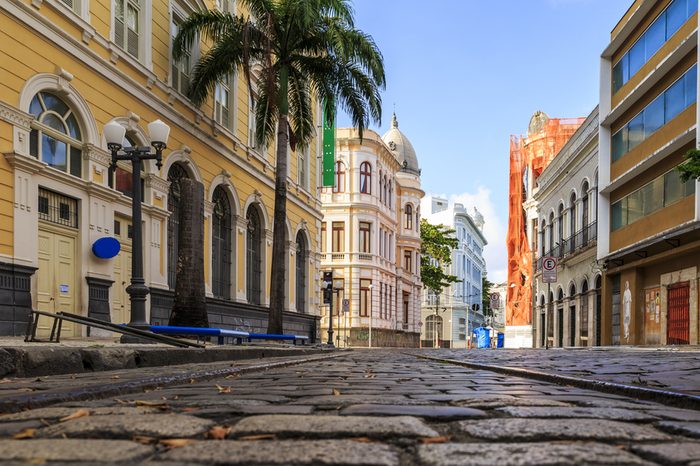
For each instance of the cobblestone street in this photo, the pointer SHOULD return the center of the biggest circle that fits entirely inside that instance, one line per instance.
(667, 368)
(358, 408)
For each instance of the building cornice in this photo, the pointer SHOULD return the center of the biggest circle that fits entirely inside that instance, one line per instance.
(15, 117)
(41, 25)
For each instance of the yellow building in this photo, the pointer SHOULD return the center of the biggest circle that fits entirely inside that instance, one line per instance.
(649, 221)
(67, 68)
(370, 240)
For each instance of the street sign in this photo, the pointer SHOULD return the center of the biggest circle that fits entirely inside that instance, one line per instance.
(495, 300)
(549, 270)
(346, 306)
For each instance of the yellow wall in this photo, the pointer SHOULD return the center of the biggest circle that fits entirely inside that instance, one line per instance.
(24, 52)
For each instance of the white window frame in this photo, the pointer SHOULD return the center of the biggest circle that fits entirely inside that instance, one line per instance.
(251, 125)
(145, 32)
(232, 99)
(303, 167)
(177, 10)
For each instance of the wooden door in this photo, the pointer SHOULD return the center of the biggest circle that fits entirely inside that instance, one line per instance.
(56, 280)
(678, 330)
(121, 305)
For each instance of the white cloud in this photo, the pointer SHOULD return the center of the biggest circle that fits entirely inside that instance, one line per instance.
(494, 229)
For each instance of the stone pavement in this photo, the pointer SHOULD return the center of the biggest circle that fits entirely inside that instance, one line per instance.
(359, 408)
(668, 368)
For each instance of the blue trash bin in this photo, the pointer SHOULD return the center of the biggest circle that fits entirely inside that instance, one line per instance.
(483, 337)
(500, 340)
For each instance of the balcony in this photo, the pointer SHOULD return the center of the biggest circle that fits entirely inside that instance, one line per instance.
(338, 256)
(574, 244)
(364, 256)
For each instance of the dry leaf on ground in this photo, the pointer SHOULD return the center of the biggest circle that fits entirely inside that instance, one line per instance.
(218, 432)
(24, 434)
(442, 439)
(258, 437)
(142, 439)
(177, 442)
(363, 440)
(152, 404)
(223, 389)
(336, 392)
(82, 412)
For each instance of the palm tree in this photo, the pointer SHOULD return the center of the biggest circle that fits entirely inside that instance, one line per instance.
(293, 51)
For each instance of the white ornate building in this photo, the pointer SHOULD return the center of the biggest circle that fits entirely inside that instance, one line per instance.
(449, 321)
(370, 239)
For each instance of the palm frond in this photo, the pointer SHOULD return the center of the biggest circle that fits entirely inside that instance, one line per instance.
(209, 25)
(301, 118)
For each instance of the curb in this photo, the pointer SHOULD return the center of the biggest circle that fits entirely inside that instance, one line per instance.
(37, 361)
(666, 397)
(18, 403)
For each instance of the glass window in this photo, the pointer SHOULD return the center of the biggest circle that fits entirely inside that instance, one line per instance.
(635, 131)
(324, 237)
(365, 237)
(675, 99)
(619, 143)
(55, 135)
(221, 245)
(653, 196)
(365, 297)
(366, 178)
(691, 89)
(409, 217)
(223, 102)
(636, 56)
(676, 14)
(663, 27)
(660, 111)
(339, 185)
(654, 116)
(180, 72)
(127, 22)
(655, 36)
(338, 236)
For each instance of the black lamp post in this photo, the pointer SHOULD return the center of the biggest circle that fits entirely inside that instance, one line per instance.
(114, 134)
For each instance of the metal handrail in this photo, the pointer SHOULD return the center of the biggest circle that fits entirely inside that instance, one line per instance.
(586, 236)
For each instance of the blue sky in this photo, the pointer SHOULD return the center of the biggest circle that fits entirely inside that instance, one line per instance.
(466, 74)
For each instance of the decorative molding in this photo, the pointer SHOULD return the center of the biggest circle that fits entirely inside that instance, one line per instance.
(15, 116)
(157, 183)
(96, 154)
(25, 163)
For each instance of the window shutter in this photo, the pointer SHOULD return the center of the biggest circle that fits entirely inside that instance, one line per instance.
(225, 119)
(119, 23)
(69, 3)
(175, 76)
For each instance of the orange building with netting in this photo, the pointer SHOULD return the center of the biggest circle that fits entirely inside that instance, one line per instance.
(529, 156)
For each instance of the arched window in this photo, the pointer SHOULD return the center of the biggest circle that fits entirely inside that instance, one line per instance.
(598, 311)
(560, 224)
(301, 273)
(381, 187)
(253, 255)
(408, 212)
(365, 178)
(550, 227)
(584, 312)
(221, 245)
(55, 138)
(418, 219)
(385, 187)
(175, 174)
(572, 223)
(584, 211)
(389, 196)
(339, 186)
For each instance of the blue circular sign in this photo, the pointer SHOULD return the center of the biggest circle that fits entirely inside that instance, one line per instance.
(106, 248)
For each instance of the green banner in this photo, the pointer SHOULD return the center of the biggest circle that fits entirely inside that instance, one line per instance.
(328, 152)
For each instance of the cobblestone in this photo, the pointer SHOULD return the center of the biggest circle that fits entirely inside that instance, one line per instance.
(670, 453)
(364, 407)
(578, 412)
(559, 429)
(515, 454)
(298, 452)
(125, 427)
(333, 426)
(71, 450)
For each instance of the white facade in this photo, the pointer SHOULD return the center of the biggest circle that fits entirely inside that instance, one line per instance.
(449, 319)
(566, 230)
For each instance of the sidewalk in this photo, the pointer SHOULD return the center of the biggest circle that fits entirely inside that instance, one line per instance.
(21, 359)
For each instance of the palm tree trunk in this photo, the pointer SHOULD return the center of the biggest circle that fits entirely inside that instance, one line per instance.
(279, 277)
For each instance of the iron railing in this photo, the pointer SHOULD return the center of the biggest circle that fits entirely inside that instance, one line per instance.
(587, 236)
